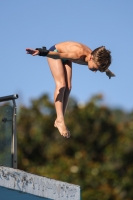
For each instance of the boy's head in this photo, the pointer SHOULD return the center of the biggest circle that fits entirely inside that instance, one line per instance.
(102, 58)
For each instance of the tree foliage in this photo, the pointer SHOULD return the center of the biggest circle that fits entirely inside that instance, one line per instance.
(98, 156)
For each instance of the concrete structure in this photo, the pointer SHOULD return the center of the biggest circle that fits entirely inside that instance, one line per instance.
(16, 184)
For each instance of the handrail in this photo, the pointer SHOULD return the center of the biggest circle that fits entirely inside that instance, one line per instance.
(8, 98)
(14, 136)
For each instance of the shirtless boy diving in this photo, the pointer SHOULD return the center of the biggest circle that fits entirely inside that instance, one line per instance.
(60, 58)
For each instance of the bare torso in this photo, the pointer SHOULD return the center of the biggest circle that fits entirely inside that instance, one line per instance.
(80, 51)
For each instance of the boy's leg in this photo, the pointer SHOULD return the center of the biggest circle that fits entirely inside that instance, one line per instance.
(68, 77)
(58, 73)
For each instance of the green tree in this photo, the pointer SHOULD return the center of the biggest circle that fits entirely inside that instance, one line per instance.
(97, 156)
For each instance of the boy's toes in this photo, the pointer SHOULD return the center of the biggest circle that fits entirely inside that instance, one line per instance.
(67, 134)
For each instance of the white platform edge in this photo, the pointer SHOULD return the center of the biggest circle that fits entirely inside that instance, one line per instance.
(37, 185)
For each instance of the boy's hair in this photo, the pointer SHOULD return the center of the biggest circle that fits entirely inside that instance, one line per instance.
(102, 58)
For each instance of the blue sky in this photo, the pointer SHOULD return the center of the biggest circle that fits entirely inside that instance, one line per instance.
(37, 23)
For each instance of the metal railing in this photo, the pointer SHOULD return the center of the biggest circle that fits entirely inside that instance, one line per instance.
(8, 137)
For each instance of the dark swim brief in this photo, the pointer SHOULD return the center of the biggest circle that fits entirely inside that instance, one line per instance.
(53, 48)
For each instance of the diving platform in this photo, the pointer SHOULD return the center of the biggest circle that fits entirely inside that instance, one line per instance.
(16, 184)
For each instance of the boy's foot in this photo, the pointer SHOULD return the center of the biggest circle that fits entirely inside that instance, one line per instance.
(62, 129)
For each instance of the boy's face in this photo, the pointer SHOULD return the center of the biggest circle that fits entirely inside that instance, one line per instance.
(91, 64)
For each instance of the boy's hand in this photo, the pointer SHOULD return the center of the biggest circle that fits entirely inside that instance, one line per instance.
(33, 52)
(109, 73)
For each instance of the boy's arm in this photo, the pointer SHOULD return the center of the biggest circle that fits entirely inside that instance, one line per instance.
(57, 55)
(38, 51)
(51, 54)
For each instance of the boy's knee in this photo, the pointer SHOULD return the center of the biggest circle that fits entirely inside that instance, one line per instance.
(61, 84)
